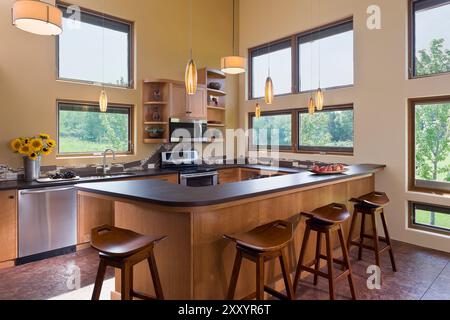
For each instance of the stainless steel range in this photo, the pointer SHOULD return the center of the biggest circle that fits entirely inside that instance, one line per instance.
(192, 173)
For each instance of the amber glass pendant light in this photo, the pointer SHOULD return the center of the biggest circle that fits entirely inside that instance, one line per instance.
(103, 101)
(257, 111)
(233, 64)
(268, 92)
(190, 76)
(311, 106)
(319, 92)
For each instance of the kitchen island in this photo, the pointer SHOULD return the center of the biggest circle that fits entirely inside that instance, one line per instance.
(195, 262)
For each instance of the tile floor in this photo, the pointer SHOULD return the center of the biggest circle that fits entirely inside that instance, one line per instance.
(422, 274)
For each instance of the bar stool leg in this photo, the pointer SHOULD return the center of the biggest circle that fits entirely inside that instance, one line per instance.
(302, 257)
(352, 229)
(361, 234)
(234, 275)
(99, 280)
(376, 240)
(330, 265)
(388, 241)
(347, 262)
(126, 281)
(155, 276)
(318, 249)
(260, 278)
(286, 276)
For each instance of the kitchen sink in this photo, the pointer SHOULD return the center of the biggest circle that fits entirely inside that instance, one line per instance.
(110, 175)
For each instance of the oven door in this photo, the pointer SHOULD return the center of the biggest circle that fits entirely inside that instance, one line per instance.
(199, 179)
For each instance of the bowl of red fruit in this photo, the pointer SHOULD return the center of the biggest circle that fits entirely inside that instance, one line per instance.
(328, 169)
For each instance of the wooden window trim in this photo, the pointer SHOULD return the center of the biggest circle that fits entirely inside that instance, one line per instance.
(412, 46)
(131, 58)
(417, 226)
(295, 58)
(95, 104)
(412, 143)
(295, 131)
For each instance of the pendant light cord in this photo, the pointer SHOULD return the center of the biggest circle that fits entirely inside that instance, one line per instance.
(320, 34)
(103, 46)
(191, 27)
(311, 51)
(234, 31)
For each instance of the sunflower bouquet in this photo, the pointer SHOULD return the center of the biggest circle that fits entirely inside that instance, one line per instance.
(34, 147)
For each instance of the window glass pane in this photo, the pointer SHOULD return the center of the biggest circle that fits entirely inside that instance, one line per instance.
(84, 129)
(428, 215)
(432, 149)
(280, 70)
(329, 129)
(94, 50)
(335, 48)
(432, 36)
(263, 134)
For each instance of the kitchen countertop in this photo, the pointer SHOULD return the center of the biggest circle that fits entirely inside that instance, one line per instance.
(168, 194)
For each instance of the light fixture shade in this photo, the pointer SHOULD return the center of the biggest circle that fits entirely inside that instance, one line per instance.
(190, 78)
(233, 65)
(103, 101)
(311, 106)
(268, 97)
(319, 99)
(258, 111)
(37, 17)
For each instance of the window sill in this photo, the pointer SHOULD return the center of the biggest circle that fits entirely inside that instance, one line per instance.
(94, 84)
(72, 157)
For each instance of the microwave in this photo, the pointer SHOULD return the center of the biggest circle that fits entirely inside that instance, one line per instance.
(187, 130)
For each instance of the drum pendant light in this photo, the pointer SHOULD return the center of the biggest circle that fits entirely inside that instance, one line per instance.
(190, 75)
(37, 17)
(233, 64)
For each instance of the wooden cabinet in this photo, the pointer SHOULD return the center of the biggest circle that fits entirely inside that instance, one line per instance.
(187, 106)
(229, 175)
(8, 225)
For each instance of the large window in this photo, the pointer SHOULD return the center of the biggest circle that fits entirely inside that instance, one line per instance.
(330, 130)
(272, 129)
(84, 130)
(431, 217)
(277, 58)
(95, 49)
(326, 57)
(430, 37)
(430, 144)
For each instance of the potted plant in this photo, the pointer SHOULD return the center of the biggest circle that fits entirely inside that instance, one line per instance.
(32, 149)
(155, 132)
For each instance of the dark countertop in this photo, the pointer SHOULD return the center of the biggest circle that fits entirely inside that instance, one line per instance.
(168, 194)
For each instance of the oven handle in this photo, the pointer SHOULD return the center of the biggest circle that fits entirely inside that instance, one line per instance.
(196, 175)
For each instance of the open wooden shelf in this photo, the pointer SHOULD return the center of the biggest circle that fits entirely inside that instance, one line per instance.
(215, 74)
(156, 140)
(155, 103)
(214, 92)
(217, 125)
(216, 108)
(155, 123)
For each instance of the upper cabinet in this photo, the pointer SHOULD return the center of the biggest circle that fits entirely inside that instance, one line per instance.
(187, 106)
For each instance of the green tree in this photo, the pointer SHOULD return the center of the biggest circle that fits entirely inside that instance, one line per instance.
(434, 60)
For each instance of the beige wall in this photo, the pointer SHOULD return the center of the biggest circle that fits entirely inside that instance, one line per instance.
(380, 93)
(28, 86)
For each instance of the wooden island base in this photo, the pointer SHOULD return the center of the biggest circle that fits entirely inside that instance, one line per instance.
(195, 262)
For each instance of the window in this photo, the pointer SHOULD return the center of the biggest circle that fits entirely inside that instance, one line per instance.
(262, 134)
(430, 144)
(330, 130)
(430, 37)
(279, 57)
(84, 130)
(431, 217)
(95, 49)
(319, 53)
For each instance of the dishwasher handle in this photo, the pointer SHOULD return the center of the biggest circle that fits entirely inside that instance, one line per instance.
(46, 191)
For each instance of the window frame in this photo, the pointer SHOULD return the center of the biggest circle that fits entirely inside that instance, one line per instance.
(412, 207)
(131, 50)
(412, 145)
(131, 127)
(412, 45)
(296, 58)
(326, 150)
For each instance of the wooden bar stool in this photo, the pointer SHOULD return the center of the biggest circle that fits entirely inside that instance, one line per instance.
(122, 249)
(371, 204)
(260, 245)
(325, 220)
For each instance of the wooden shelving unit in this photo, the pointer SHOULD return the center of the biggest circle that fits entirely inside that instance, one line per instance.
(155, 95)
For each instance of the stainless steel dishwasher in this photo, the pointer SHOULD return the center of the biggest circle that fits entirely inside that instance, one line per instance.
(47, 222)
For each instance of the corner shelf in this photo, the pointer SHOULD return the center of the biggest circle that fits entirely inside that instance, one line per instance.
(155, 123)
(214, 92)
(155, 103)
(216, 108)
(155, 96)
(216, 125)
(156, 140)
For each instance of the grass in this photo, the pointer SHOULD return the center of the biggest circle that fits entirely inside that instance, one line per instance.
(442, 220)
(74, 145)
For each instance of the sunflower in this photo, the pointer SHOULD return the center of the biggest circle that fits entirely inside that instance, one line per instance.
(25, 149)
(46, 151)
(36, 144)
(44, 136)
(16, 144)
(33, 156)
(25, 141)
(51, 143)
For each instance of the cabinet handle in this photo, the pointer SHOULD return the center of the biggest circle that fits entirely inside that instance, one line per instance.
(11, 197)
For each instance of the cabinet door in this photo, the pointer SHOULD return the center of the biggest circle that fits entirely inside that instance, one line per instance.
(197, 104)
(229, 175)
(8, 225)
(178, 101)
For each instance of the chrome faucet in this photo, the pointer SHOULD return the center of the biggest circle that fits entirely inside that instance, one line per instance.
(105, 167)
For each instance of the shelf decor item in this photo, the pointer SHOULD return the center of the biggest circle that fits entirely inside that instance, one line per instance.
(155, 132)
(37, 17)
(215, 85)
(32, 149)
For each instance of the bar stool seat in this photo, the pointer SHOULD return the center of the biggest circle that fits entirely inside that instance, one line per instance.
(122, 249)
(324, 221)
(260, 245)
